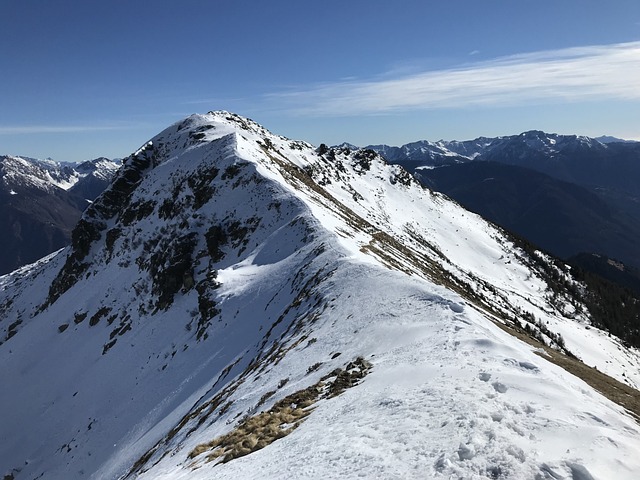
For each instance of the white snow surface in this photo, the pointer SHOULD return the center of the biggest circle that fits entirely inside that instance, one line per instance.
(450, 396)
(307, 289)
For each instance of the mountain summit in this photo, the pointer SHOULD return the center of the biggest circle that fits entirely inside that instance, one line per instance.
(240, 305)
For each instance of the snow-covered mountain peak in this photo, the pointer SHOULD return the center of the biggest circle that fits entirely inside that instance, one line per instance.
(240, 305)
(539, 140)
(553, 143)
(101, 168)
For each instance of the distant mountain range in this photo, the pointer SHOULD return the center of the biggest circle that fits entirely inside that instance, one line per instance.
(576, 159)
(568, 194)
(40, 203)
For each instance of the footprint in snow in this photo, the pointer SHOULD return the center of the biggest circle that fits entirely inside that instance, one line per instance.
(500, 387)
(522, 365)
(528, 366)
(456, 307)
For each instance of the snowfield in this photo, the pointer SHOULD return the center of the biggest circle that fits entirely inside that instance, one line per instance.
(449, 395)
(234, 288)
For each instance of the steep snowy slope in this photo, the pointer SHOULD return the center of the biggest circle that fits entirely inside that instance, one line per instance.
(564, 219)
(236, 305)
(520, 183)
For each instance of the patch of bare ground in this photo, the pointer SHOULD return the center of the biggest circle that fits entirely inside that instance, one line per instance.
(257, 431)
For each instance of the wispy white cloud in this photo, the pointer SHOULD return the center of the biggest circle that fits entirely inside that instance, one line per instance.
(567, 75)
(35, 129)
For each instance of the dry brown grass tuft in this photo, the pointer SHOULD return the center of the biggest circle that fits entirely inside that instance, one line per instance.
(258, 431)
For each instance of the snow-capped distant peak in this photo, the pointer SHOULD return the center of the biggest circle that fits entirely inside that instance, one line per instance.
(48, 175)
(100, 167)
(41, 174)
(347, 145)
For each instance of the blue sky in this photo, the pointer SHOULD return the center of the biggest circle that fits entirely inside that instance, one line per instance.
(84, 78)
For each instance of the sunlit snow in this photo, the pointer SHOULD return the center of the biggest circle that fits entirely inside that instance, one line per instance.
(307, 290)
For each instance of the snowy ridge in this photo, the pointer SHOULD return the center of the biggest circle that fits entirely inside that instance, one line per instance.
(41, 174)
(227, 270)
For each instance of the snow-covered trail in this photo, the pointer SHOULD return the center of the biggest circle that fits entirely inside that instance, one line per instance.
(450, 395)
